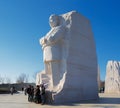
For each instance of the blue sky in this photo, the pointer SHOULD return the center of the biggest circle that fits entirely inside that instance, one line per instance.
(24, 22)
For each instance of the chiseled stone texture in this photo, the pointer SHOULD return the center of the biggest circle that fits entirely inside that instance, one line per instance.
(98, 78)
(70, 58)
(112, 80)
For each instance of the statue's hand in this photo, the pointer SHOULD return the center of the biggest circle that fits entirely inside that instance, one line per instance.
(43, 40)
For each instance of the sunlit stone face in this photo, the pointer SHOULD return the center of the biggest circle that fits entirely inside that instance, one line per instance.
(112, 80)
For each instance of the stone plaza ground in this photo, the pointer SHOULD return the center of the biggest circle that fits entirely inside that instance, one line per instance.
(20, 101)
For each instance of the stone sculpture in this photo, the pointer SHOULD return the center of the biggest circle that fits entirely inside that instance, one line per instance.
(112, 80)
(70, 59)
(53, 48)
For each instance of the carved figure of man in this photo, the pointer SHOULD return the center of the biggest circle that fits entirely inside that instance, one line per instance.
(53, 48)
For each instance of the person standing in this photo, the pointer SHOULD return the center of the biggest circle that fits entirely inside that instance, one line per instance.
(29, 93)
(42, 94)
(37, 97)
(25, 90)
(11, 90)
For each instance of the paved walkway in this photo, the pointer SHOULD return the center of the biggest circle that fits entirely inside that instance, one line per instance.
(20, 101)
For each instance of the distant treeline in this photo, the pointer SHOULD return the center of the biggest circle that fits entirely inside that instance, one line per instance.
(5, 88)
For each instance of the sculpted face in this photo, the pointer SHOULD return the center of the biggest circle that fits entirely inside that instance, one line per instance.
(54, 21)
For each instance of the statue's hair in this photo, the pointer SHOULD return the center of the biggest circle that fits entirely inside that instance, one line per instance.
(60, 19)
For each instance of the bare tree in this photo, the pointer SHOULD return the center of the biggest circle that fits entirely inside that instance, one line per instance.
(2, 79)
(22, 78)
(34, 76)
(8, 80)
(27, 78)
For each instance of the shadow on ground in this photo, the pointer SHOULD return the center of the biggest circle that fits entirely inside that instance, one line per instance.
(99, 101)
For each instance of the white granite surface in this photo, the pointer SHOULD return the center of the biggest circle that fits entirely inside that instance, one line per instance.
(70, 58)
(112, 80)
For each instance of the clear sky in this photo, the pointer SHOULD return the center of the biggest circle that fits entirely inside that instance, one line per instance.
(24, 22)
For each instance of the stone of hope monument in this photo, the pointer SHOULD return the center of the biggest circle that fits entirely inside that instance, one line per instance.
(112, 79)
(70, 59)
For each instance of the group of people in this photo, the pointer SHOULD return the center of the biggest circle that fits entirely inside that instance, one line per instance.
(36, 94)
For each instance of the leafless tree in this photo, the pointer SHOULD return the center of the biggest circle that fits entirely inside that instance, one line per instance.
(22, 78)
(34, 76)
(2, 79)
(8, 80)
